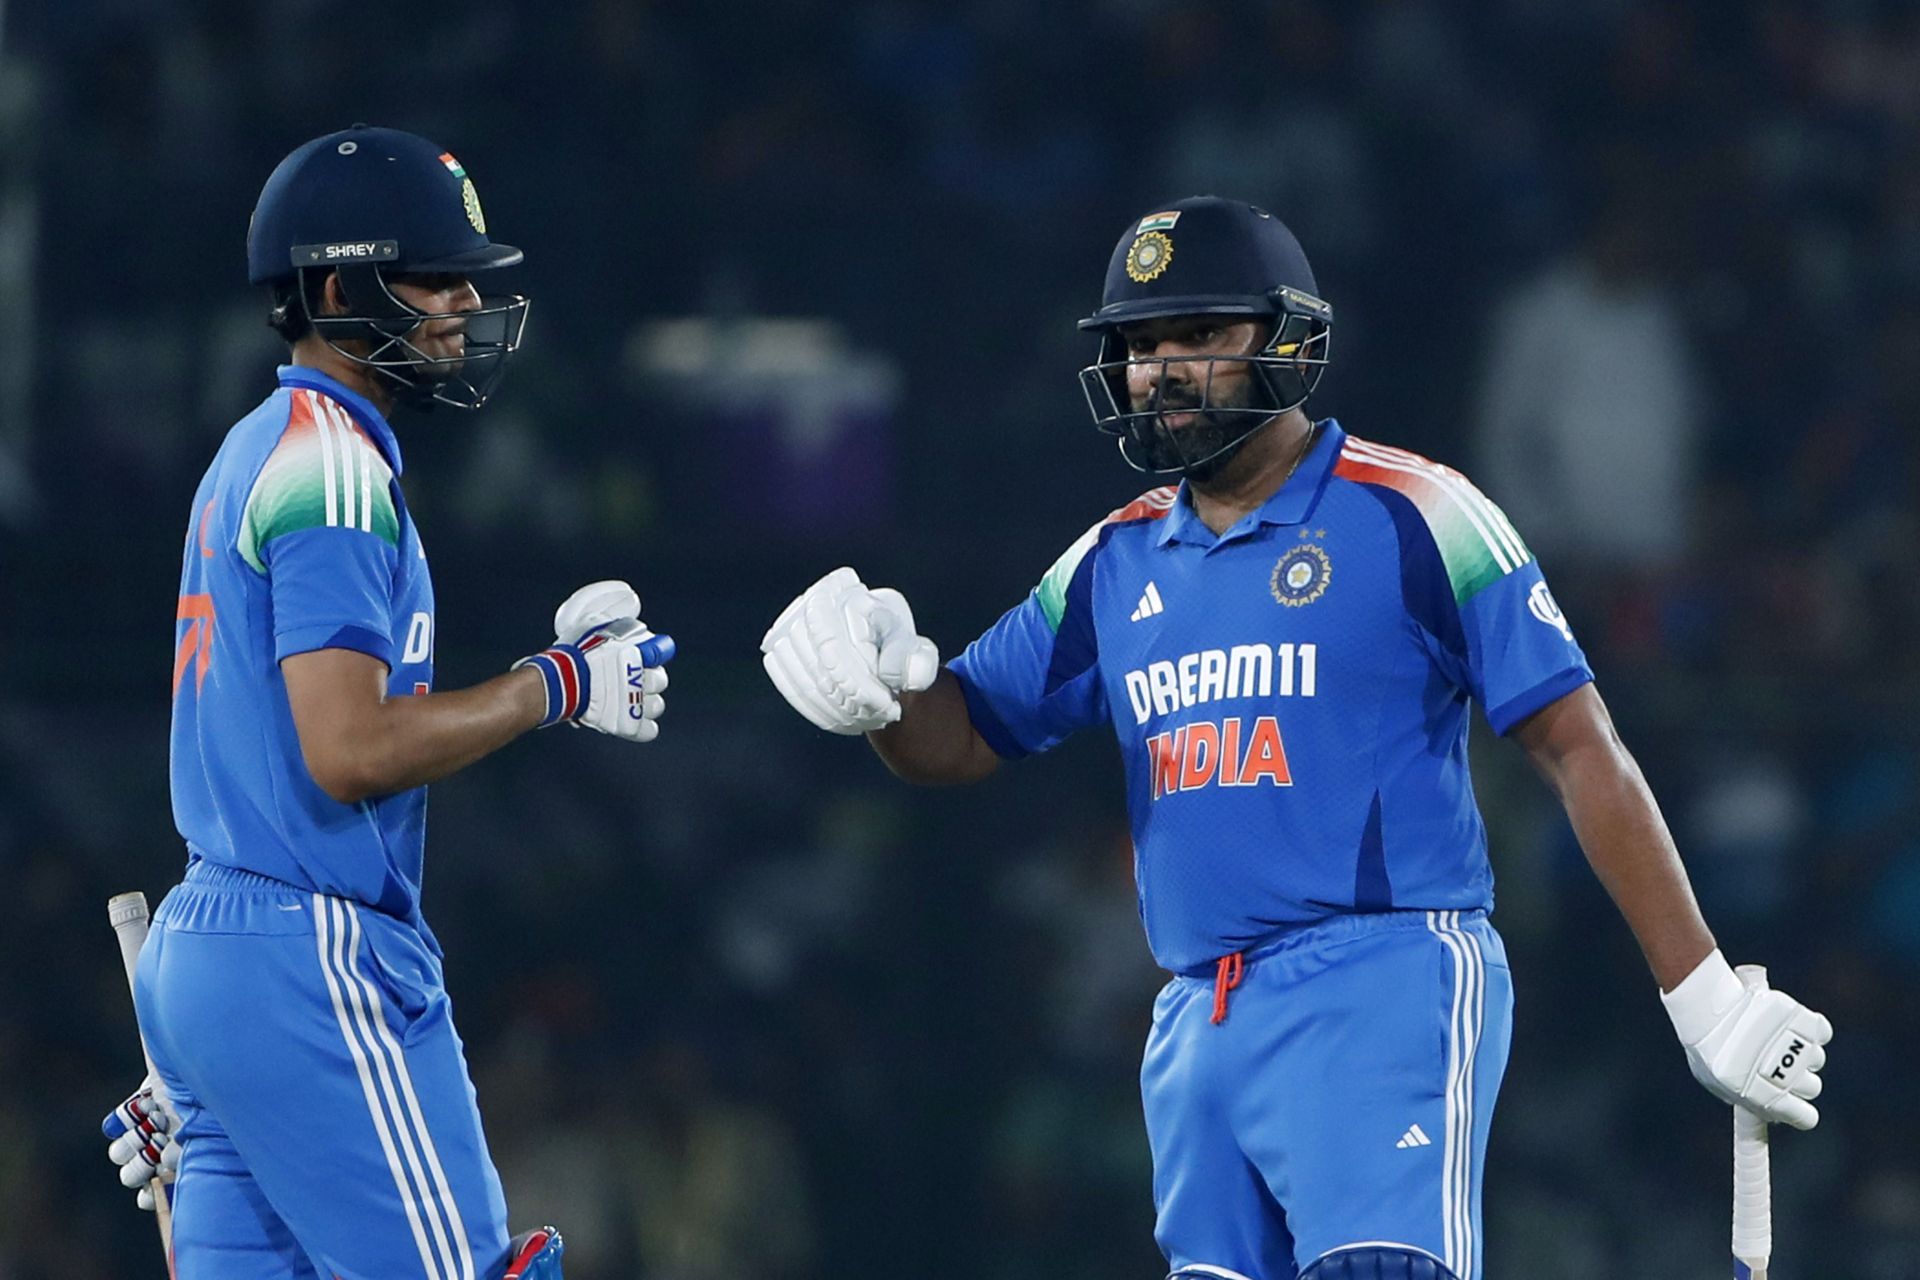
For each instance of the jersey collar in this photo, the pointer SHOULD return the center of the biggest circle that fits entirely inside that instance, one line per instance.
(361, 408)
(1293, 503)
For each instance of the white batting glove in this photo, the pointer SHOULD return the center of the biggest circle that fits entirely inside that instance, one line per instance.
(625, 688)
(140, 1140)
(594, 605)
(1754, 1047)
(605, 670)
(841, 654)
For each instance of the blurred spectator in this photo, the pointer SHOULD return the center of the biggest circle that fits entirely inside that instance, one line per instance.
(719, 1187)
(1590, 416)
(805, 278)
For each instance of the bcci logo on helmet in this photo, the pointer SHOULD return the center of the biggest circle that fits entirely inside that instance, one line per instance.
(1149, 256)
(471, 199)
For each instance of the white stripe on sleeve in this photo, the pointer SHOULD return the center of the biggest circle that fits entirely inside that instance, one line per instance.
(325, 428)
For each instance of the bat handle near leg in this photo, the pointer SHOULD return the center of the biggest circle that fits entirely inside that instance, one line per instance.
(1752, 1177)
(127, 913)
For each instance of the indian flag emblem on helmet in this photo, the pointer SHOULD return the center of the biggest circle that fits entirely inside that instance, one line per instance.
(453, 166)
(1149, 256)
(1157, 222)
(471, 198)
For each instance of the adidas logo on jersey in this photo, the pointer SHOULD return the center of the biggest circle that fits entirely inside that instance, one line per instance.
(1149, 605)
(1414, 1137)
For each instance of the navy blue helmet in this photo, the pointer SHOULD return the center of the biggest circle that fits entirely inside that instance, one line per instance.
(376, 204)
(1205, 256)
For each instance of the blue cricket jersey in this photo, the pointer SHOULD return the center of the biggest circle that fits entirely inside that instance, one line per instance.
(1290, 697)
(299, 541)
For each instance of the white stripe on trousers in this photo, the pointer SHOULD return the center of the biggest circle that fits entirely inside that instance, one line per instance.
(324, 931)
(380, 1064)
(1466, 1022)
(414, 1114)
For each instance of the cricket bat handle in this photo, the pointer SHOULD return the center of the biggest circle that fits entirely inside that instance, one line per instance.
(127, 913)
(1752, 1178)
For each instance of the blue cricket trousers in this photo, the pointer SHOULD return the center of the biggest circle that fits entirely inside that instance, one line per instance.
(1331, 1090)
(329, 1123)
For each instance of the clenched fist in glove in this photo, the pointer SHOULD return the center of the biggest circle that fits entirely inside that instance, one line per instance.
(605, 670)
(1751, 1046)
(842, 654)
(140, 1139)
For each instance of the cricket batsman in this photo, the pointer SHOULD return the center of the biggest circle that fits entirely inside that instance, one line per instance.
(322, 1122)
(1286, 641)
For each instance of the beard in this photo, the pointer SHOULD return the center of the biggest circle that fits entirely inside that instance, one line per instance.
(1202, 448)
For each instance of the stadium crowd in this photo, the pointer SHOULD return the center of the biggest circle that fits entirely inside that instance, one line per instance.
(805, 279)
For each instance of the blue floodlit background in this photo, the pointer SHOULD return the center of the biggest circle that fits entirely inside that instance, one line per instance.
(740, 1007)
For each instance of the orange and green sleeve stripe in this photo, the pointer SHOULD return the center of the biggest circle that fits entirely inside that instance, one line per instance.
(325, 472)
(1052, 591)
(1477, 544)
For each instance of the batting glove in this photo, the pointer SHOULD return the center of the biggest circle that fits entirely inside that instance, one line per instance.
(1754, 1047)
(594, 605)
(841, 654)
(604, 670)
(140, 1141)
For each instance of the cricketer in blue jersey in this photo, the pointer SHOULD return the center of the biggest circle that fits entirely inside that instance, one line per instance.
(322, 1123)
(1287, 644)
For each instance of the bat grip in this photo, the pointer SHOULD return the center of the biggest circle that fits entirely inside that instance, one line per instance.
(1752, 1176)
(127, 913)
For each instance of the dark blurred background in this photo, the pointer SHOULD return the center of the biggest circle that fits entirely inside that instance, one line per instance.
(740, 1007)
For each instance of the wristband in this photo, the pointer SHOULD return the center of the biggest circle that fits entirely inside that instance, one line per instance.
(564, 669)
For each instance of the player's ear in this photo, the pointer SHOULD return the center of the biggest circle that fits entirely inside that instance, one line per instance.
(332, 296)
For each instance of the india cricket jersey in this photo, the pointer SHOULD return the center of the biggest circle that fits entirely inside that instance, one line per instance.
(1291, 696)
(299, 540)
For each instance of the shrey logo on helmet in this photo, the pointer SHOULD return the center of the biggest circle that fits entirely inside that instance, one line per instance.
(375, 205)
(1231, 260)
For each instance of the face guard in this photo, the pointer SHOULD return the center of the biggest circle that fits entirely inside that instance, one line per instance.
(1279, 375)
(378, 317)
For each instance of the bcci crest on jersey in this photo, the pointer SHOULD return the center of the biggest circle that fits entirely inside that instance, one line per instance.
(1302, 575)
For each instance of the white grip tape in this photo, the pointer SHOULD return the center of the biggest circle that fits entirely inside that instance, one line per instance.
(1752, 1176)
(1752, 1187)
(127, 913)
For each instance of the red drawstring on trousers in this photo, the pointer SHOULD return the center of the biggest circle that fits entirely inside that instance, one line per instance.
(1226, 976)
